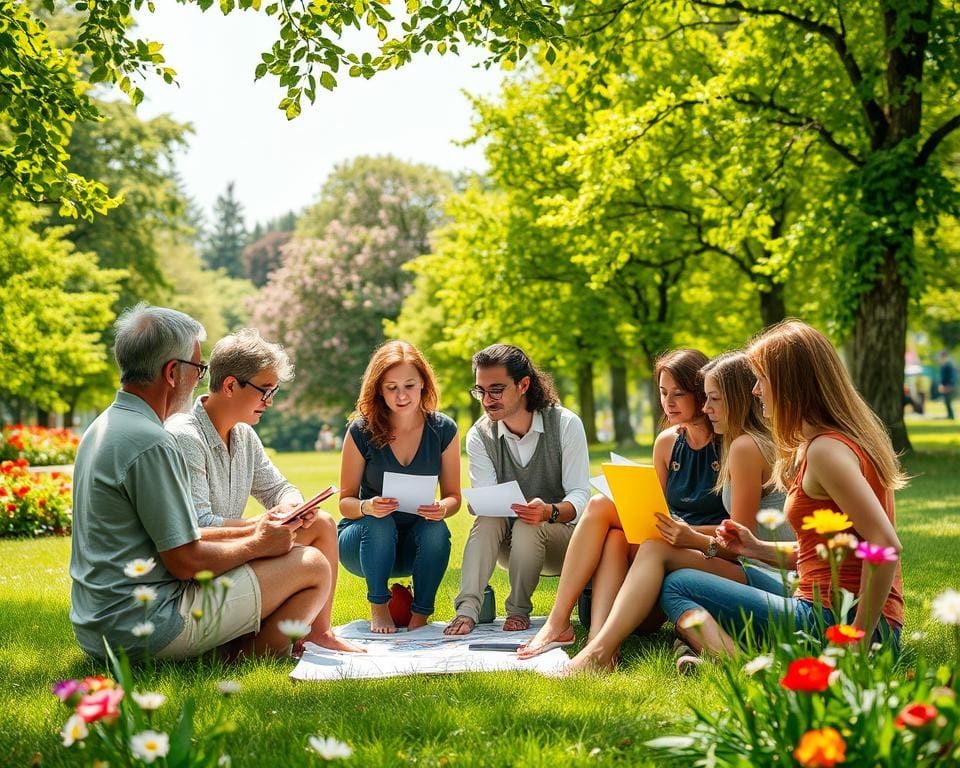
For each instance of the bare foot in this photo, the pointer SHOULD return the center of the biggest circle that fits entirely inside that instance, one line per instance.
(330, 641)
(381, 622)
(547, 639)
(417, 620)
(588, 661)
(462, 625)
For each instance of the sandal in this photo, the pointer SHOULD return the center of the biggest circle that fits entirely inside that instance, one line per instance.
(687, 659)
(516, 622)
(565, 638)
(454, 627)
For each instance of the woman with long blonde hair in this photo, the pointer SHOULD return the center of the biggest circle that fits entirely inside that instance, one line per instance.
(833, 453)
(745, 468)
(396, 428)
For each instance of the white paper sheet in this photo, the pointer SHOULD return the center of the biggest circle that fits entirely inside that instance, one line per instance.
(616, 458)
(494, 500)
(425, 651)
(411, 491)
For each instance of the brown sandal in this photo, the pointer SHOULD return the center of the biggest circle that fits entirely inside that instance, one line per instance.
(516, 622)
(453, 628)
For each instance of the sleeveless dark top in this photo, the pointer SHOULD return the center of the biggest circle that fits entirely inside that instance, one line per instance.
(438, 430)
(692, 474)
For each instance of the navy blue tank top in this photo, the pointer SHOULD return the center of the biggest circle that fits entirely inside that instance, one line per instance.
(691, 477)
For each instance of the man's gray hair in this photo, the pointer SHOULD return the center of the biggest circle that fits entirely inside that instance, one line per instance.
(243, 355)
(149, 337)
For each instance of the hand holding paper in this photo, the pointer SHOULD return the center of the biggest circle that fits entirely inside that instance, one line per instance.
(410, 491)
(495, 500)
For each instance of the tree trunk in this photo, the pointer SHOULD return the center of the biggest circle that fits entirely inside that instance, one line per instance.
(619, 402)
(773, 309)
(879, 341)
(588, 408)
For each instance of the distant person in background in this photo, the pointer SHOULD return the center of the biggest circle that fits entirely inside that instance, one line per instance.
(948, 381)
(396, 428)
(228, 464)
(325, 439)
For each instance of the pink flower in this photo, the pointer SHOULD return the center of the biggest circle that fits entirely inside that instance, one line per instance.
(66, 690)
(876, 555)
(101, 704)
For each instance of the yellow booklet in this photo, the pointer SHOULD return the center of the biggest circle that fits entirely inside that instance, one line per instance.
(638, 495)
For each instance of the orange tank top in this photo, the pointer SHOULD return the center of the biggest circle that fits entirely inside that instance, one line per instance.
(814, 572)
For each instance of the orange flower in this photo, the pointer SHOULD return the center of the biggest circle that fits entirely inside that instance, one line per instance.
(822, 748)
(844, 633)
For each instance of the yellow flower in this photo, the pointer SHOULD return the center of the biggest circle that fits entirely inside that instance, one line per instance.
(826, 521)
(821, 749)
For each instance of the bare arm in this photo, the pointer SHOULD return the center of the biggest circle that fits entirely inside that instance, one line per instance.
(833, 471)
(268, 538)
(351, 473)
(450, 477)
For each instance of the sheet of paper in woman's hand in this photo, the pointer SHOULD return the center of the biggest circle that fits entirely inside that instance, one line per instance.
(411, 491)
(495, 500)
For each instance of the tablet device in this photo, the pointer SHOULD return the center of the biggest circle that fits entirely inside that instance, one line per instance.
(509, 647)
(310, 504)
(638, 495)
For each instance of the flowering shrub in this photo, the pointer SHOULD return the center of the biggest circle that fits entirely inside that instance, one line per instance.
(40, 446)
(817, 704)
(33, 504)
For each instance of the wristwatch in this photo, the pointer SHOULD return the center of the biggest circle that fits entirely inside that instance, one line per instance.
(554, 513)
(363, 512)
(712, 548)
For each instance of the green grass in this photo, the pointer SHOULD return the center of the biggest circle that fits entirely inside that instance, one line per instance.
(473, 720)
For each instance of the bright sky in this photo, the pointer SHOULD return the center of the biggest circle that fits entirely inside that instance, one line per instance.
(415, 113)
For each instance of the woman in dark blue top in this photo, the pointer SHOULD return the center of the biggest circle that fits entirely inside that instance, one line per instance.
(395, 428)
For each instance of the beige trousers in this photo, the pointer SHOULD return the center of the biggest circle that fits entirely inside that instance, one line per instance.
(526, 551)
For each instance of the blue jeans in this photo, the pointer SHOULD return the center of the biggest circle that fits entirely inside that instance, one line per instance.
(400, 544)
(761, 600)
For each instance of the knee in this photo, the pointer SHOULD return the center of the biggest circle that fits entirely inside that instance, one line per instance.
(434, 536)
(600, 508)
(652, 548)
(325, 526)
(314, 566)
(378, 529)
(525, 538)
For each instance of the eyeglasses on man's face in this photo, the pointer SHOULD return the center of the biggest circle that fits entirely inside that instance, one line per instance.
(494, 393)
(265, 394)
(201, 366)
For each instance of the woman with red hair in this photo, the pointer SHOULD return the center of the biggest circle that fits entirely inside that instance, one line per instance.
(396, 428)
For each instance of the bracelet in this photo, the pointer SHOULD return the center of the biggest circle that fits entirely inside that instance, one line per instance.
(362, 502)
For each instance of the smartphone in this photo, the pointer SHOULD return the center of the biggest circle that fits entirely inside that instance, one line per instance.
(508, 647)
(310, 504)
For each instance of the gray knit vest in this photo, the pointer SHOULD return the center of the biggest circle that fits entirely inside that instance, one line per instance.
(543, 476)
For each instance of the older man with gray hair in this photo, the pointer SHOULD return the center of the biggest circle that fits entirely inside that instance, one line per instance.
(134, 524)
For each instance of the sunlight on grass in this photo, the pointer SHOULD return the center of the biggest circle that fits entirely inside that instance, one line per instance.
(474, 719)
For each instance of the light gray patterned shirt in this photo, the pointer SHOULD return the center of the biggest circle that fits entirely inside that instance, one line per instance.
(222, 480)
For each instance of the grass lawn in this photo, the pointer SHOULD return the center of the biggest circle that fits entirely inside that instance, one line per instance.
(477, 719)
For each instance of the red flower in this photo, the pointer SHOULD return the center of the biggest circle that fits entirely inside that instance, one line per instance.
(22, 491)
(41, 503)
(100, 704)
(4, 491)
(11, 507)
(844, 633)
(22, 462)
(915, 715)
(807, 674)
(6, 466)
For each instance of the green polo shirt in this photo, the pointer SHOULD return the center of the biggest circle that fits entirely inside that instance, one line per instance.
(131, 499)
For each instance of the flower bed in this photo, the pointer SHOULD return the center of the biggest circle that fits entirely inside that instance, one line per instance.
(33, 504)
(40, 446)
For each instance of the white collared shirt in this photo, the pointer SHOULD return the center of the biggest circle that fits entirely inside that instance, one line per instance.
(574, 457)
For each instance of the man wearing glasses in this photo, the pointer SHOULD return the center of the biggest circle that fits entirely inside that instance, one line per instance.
(134, 524)
(527, 436)
(228, 464)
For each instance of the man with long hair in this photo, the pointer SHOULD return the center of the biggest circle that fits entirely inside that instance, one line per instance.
(527, 436)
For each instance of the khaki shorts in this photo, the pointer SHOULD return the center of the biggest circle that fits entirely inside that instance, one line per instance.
(239, 614)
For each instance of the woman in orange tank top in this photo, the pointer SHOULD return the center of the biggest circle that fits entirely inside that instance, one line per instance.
(833, 453)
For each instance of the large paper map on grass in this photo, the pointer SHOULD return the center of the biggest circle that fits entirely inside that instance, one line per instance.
(427, 651)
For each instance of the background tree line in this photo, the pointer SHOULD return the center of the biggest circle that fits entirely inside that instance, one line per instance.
(661, 174)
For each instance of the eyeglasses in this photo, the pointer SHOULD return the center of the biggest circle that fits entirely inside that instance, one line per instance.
(265, 394)
(201, 366)
(494, 393)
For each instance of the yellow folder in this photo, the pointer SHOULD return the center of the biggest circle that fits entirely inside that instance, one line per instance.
(638, 495)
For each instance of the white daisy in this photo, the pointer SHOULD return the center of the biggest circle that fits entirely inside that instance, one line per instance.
(148, 700)
(294, 629)
(693, 619)
(946, 607)
(144, 594)
(329, 748)
(74, 730)
(139, 567)
(143, 629)
(228, 687)
(758, 664)
(771, 519)
(149, 745)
